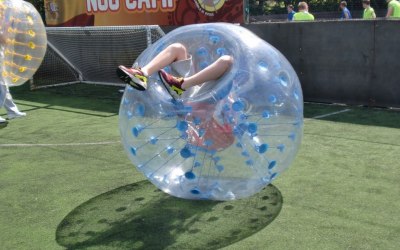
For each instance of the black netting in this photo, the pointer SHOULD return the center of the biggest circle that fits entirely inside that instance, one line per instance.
(54, 70)
(95, 52)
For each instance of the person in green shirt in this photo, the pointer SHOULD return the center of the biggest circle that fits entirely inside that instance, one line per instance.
(369, 12)
(303, 14)
(393, 9)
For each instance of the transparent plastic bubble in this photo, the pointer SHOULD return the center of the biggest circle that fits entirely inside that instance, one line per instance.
(222, 140)
(23, 41)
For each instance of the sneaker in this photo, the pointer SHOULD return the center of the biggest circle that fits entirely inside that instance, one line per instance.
(172, 84)
(2, 120)
(133, 77)
(17, 114)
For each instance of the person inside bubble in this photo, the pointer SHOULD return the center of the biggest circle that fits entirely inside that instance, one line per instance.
(177, 56)
(7, 102)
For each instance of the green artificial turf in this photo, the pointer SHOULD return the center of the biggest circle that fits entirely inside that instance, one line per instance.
(341, 192)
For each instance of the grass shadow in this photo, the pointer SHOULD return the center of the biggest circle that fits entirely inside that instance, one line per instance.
(3, 124)
(139, 216)
(89, 97)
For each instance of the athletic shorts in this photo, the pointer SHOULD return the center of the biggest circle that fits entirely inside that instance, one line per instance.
(182, 68)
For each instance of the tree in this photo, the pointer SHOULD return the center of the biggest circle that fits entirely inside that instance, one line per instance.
(257, 7)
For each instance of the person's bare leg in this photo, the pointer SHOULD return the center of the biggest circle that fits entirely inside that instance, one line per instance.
(174, 52)
(212, 72)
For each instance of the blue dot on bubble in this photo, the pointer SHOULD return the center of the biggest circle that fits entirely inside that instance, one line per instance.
(170, 150)
(202, 131)
(185, 153)
(197, 164)
(190, 175)
(129, 114)
(133, 151)
(271, 165)
(197, 120)
(284, 79)
(226, 107)
(262, 65)
(221, 51)
(238, 106)
(215, 39)
(195, 191)
(272, 99)
(262, 148)
(296, 95)
(265, 179)
(220, 168)
(182, 126)
(136, 130)
(252, 128)
(153, 140)
(202, 52)
(250, 162)
(265, 114)
(140, 109)
(183, 135)
(231, 119)
(245, 154)
(243, 117)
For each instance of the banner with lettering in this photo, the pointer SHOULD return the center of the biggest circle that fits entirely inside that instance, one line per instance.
(141, 12)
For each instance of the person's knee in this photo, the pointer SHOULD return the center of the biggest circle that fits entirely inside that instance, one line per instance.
(226, 60)
(179, 50)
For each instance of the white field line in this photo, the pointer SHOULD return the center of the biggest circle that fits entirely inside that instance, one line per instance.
(330, 114)
(59, 144)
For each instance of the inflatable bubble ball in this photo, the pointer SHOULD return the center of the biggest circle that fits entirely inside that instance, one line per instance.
(221, 140)
(23, 41)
